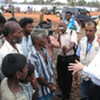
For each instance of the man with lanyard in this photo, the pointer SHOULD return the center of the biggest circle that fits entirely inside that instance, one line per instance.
(87, 49)
(71, 23)
(92, 71)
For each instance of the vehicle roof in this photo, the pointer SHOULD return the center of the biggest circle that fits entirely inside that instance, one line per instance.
(73, 10)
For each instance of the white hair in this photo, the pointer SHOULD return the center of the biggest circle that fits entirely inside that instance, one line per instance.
(38, 33)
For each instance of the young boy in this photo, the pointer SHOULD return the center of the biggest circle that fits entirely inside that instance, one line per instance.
(14, 67)
(30, 83)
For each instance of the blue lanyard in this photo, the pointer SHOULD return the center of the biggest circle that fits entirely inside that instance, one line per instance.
(88, 47)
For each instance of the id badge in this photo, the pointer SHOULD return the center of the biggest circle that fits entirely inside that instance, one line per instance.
(84, 61)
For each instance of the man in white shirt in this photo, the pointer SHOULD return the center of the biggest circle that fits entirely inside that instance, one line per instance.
(92, 71)
(13, 35)
(67, 39)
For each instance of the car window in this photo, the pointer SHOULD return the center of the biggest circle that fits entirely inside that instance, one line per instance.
(82, 12)
(72, 10)
(76, 12)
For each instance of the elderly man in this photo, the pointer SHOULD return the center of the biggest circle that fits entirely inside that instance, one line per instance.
(39, 57)
(13, 35)
(68, 39)
(87, 49)
(92, 71)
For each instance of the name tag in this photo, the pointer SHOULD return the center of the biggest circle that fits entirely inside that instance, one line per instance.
(96, 49)
(84, 61)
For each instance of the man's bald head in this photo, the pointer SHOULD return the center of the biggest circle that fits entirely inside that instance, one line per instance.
(91, 23)
(62, 26)
(61, 22)
(9, 28)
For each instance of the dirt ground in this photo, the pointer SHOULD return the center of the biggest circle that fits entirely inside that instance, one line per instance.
(75, 92)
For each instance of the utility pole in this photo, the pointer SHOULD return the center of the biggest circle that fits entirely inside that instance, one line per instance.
(12, 9)
(74, 2)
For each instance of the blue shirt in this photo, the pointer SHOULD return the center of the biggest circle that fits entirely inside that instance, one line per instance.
(79, 48)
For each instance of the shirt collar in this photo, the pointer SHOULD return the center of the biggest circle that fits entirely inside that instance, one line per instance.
(8, 45)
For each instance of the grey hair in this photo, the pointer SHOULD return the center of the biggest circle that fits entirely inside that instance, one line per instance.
(38, 33)
(9, 28)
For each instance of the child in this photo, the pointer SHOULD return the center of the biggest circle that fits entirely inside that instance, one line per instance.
(30, 83)
(15, 69)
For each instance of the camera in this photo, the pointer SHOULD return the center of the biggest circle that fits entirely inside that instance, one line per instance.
(45, 24)
(50, 32)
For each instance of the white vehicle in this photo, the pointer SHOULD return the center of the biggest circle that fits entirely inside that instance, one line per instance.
(55, 10)
(58, 11)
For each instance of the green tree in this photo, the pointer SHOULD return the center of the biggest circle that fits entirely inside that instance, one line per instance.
(71, 2)
(6, 1)
(93, 4)
(25, 1)
(49, 1)
(81, 3)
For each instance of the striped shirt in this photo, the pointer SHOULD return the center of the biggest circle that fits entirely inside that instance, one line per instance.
(42, 69)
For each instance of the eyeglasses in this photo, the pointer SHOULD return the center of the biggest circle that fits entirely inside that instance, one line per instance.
(89, 30)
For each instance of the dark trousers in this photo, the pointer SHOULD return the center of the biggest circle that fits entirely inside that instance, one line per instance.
(64, 76)
(85, 85)
(94, 92)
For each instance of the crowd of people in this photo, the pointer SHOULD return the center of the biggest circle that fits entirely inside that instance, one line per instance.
(26, 65)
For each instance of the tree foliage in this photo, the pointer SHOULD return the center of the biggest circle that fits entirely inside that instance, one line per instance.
(89, 4)
(69, 2)
(93, 4)
(81, 3)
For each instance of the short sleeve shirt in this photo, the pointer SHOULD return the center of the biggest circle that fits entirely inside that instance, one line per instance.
(8, 95)
(67, 38)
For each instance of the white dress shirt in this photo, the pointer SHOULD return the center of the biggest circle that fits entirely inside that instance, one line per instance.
(93, 69)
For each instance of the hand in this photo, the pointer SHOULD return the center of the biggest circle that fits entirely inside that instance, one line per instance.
(53, 88)
(58, 31)
(64, 49)
(35, 84)
(78, 32)
(75, 67)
